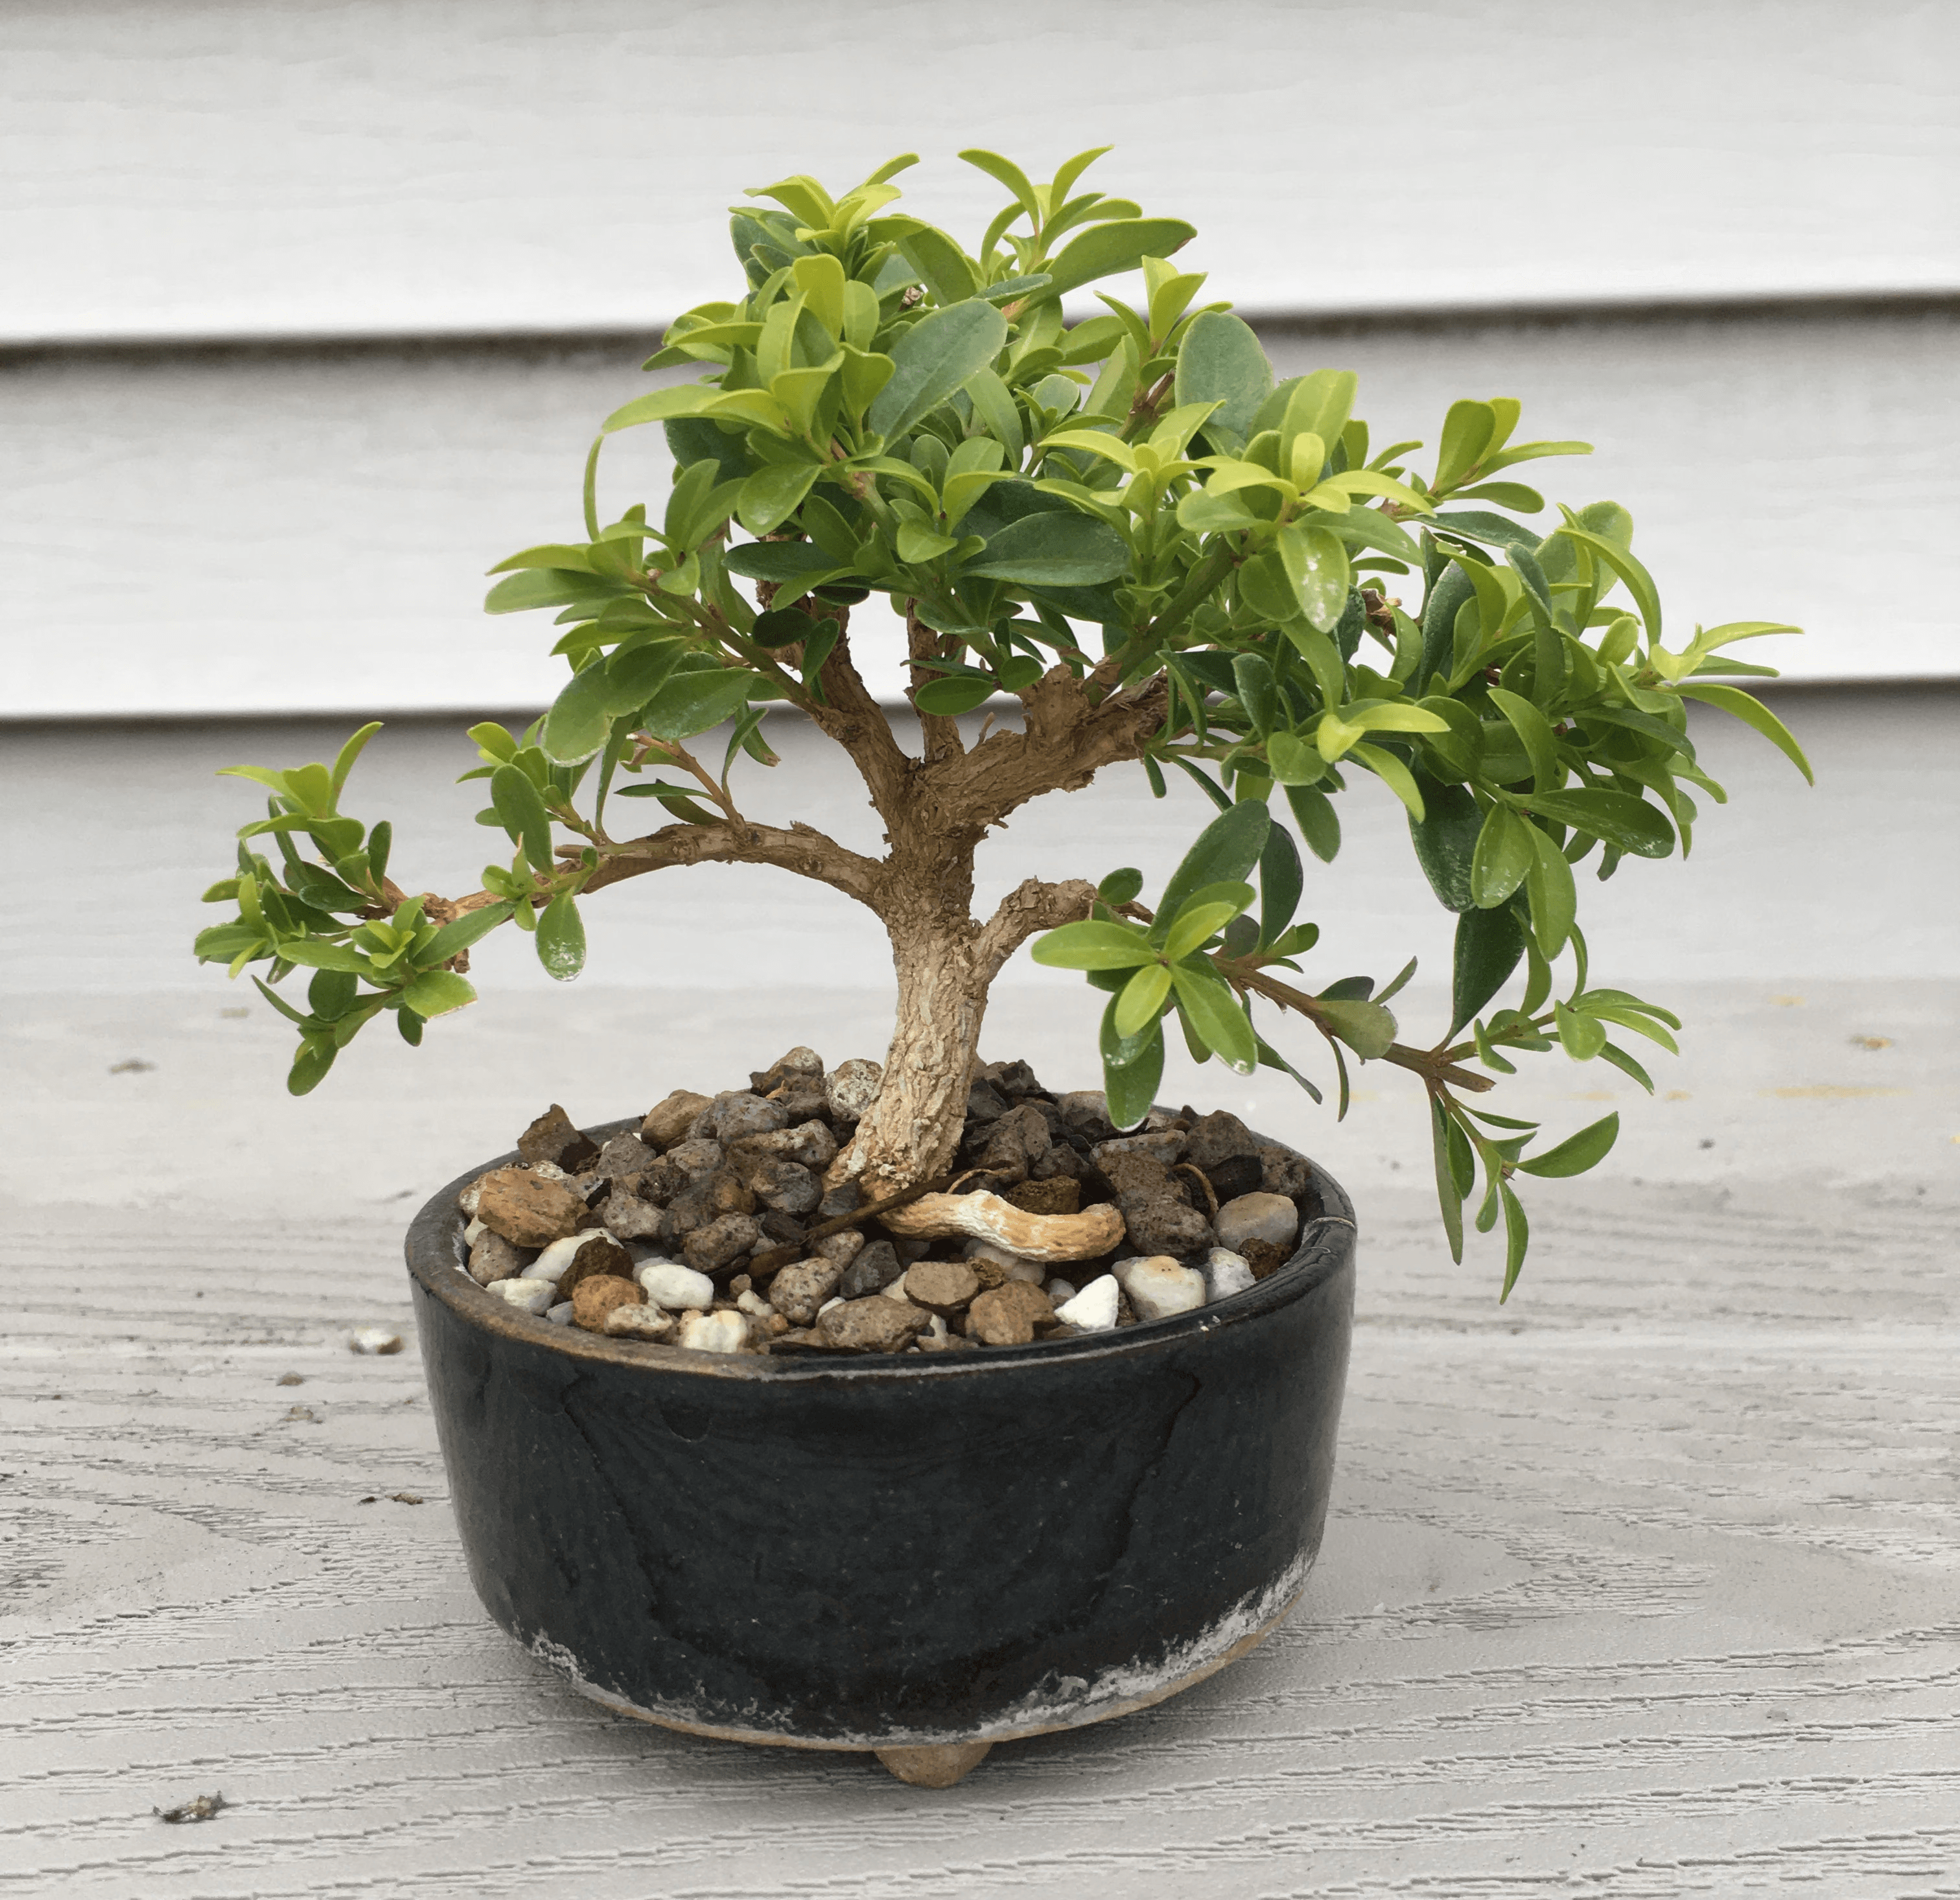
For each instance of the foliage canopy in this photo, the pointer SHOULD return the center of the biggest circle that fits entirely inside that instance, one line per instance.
(1169, 557)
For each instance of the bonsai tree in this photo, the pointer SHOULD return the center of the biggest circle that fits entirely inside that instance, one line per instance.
(1170, 561)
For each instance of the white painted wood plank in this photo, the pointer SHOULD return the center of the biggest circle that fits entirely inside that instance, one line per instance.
(217, 167)
(304, 532)
(1640, 1585)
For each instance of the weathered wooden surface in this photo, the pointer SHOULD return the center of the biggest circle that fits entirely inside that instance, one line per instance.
(1642, 1586)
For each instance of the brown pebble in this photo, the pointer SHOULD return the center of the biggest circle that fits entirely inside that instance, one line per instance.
(600, 1257)
(493, 1258)
(596, 1298)
(1264, 1257)
(670, 1121)
(873, 1324)
(553, 1137)
(1009, 1314)
(1059, 1194)
(526, 1210)
(989, 1273)
(941, 1286)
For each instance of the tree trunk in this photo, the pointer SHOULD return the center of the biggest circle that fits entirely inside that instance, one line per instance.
(914, 1126)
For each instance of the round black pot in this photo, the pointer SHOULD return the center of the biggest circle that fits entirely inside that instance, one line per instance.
(891, 1553)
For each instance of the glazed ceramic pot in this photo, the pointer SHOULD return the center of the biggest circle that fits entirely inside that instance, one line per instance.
(918, 1556)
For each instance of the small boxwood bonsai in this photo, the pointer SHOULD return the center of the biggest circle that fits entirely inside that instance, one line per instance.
(1169, 560)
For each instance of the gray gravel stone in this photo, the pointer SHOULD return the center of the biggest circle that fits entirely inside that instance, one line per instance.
(876, 1267)
(716, 1247)
(801, 1290)
(852, 1088)
(736, 1112)
(495, 1258)
(1226, 1273)
(809, 1144)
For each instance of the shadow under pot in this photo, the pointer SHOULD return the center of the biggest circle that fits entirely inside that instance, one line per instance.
(917, 1556)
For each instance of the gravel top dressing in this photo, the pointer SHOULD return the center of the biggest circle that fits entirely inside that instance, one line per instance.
(730, 1222)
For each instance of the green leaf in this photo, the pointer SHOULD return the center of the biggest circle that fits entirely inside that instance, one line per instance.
(459, 933)
(1221, 360)
(1489, 944)
(994, 403)
(1319, 824)
(561, 939)
(1639, 582)
(956, 693)
(1502, 857)
(1581, 1036)
(436, 992)
(1445, 838)
(933, 359)
(1553, 897)
(1316, 564)
(315, 953)
(1225, 852)
(1467, 431)
(1578, 1153)
(1625, 822)
(1198, 923)
(310, 1065)
(1211, 1009)
(1293, 762)
(942, 265)
(1068, 549)
(1281, 882)
(520, 810)
(1131, 1070)
(1121, 887)
(580, 720)
(1754, 714)
(770, 496)
(1141, 999)
(1104, 250)
(1009, 174)
(352, 750)
(1093, 945)
(1448, 1197)
(697, 702)
(1366, 1028)
(1517, 1239)
(1533, 729)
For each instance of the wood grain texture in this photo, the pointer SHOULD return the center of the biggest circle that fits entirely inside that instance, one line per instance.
(1643, 1585)
(224, 167)
(309, 531)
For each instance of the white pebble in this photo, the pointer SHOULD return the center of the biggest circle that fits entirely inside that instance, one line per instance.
(752, 1302)
(715, 1333)
(474, 1232)
(373, 1339)
(639, 1321)
(895, 1290)
(1094, 1308)
(1257, 1217)
(1226, 1273)
(675, 1287)
(560, 1315)
(529, 1295)
(1059, 1290)
(836, 1299)
(1017, 1268)
(1159, 1287)
(551, 1264)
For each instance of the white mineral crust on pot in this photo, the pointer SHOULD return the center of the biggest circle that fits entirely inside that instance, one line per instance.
(1094, 1308)
(667, 1284)
(527, 1295)
(1158, 1286)
(1226, 1273)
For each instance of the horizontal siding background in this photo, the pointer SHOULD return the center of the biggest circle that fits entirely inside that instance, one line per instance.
(233, 167)
(310, 310)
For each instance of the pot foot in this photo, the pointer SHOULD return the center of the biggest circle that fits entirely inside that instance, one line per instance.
(938, 1767)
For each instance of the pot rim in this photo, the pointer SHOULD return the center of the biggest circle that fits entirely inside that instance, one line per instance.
(434, 1259)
